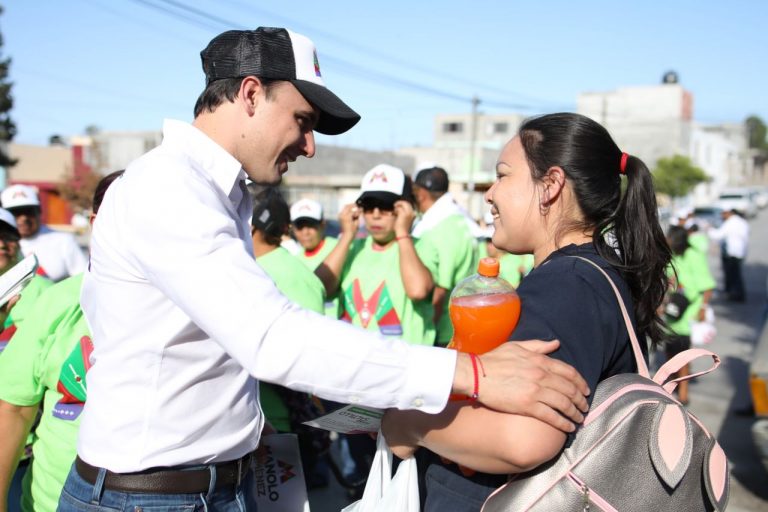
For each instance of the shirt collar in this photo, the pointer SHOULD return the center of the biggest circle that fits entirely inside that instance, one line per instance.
(223, 168)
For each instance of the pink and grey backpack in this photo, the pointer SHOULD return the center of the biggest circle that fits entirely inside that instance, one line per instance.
(638, 449)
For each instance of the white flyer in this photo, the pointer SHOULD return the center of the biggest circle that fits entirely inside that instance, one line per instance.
(352, 419)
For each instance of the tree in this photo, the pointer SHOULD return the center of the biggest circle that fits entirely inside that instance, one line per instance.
(78, 188)
(677, 176)
(7, 126)
(756, 133)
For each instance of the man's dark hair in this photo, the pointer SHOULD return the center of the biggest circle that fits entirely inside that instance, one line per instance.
(101, 188)
(271, 215)
(678, 239)
(225, 89)
(434, 180)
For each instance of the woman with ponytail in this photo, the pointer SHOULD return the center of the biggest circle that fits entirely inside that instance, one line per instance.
(563, 188)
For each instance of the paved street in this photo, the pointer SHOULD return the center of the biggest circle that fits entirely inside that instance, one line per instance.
(718, 399)
(721, 398)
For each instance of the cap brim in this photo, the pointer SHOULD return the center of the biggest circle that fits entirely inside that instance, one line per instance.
(335, 116)
(384, 196)
(9, 227)
(305, 217)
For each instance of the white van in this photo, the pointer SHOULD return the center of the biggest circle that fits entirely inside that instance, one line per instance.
(740, 199)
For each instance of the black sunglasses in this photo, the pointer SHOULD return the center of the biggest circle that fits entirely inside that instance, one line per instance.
(8, 236)
(371, 203)
(306, 223)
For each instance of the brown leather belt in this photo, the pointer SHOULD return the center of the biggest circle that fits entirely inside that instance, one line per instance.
(168, 480)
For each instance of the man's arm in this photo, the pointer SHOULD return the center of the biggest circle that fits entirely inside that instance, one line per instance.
(519, 378)
(15, 424)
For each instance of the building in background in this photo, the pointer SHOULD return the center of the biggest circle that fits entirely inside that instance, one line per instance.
(45, 168)
(650, 122)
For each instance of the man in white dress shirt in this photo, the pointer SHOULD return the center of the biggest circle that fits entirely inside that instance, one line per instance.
(733, 235)
(184, 320)
(58, 253)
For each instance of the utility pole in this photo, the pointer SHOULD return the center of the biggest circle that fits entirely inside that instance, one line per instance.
(472, 144)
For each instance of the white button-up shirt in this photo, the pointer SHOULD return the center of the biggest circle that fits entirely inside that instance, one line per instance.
(734, 232)
(57, 252)
(183, 319)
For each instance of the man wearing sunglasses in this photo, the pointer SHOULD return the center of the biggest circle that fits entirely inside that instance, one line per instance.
(57, 252)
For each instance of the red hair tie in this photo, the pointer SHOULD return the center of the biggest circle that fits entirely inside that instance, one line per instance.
(623, 165)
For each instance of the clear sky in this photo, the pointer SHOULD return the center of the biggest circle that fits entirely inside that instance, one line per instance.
(127, 64)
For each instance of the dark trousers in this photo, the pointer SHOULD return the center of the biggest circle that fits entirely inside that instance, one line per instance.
(734, 281)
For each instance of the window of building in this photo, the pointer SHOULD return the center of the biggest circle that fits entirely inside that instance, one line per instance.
(499, 128)
(453, 127)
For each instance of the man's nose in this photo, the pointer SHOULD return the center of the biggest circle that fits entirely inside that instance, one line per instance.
(308, 147)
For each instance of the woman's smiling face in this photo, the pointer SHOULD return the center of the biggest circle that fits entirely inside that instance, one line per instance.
(514, 201)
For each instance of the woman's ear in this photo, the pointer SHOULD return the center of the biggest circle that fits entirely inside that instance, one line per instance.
(553, 184)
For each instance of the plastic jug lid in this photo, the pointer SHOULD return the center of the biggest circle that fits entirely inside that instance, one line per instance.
(488, 267)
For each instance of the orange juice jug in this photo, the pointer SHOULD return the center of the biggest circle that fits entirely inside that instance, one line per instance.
(484, 310)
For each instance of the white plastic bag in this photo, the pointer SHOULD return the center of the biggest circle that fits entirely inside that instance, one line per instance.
(384, 494)
(703, 333)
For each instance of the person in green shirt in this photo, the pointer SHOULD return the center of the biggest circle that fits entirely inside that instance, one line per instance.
(308, 225)
(512, 267)
(45, 363)
(11, 316)
(285, 409)
(445, 236)
(689, 272)
(383, 283)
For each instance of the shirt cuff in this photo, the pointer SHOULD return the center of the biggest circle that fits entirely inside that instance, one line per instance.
(430, 379)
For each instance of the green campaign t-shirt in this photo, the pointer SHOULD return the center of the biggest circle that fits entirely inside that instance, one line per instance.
(312, 260)
(373, 296)
(297, 282)
(699, 240)
(451, 253)
(36, 286)
(695, 278)
(47, 360)
(513, 267)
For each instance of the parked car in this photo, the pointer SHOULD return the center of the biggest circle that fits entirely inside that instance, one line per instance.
(740, 199)
(760, 196)
(708, 216)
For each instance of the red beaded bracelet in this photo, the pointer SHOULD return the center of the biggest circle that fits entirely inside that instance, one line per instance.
(475, 360)
(398, 238)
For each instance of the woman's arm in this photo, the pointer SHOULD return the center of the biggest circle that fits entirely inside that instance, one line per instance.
(417, 280)
(329, 271)
(474, 436)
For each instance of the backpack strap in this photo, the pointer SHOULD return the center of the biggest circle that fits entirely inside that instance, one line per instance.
(676, 363)
(642, 368)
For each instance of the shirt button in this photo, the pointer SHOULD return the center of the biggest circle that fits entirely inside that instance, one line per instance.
(418, 402)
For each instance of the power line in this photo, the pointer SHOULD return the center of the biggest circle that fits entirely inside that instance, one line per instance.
(345, 66)
(355, 45)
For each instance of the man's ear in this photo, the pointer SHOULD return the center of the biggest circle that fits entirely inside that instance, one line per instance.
(250, 94)
(553, 184)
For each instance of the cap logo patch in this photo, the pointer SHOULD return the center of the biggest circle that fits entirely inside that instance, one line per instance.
(317, 64)
(379, 176)
(305, 208)
(19, 193)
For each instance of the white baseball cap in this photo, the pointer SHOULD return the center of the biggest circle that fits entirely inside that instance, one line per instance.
(7, 217)
(17, 196)
(306, 209)
(383, 182)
